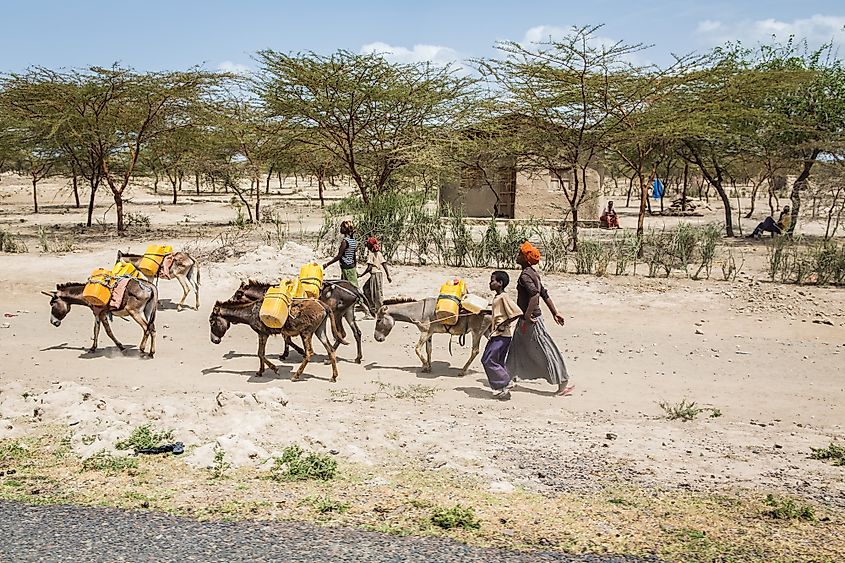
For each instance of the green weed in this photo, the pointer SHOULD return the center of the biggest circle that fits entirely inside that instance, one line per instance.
(455, 517)
(295, 464)
(144, 437)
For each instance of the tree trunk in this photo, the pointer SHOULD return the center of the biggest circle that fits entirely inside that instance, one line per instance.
(827, 234)
(257, 200)
(797, 186)
(155, 181)
(118, 208)
(574, 209)
(174, 182)
(726, 201)
(197, 182)
(75, 181)
(641, 213)
(684, 192)
(34, 193)
(269, 175)
(281, 180)
(94, 184)
(771, 196)
(753, 198)
(630, 189)
(320, 187)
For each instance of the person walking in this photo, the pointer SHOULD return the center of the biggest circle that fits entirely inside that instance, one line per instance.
(377, 268)
(533, 354)
(505, 313)
(346, 254)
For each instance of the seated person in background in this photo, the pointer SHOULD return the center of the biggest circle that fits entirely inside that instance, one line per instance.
(768, 225)
(609, 219)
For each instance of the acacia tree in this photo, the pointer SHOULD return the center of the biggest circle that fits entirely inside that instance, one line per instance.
(639, 100)
(252, 137)
(561, 91)
(110, 114)
(807, 113)
(717, 115)
(372, 115)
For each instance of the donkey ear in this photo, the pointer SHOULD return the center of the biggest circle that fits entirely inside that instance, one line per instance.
(51, 295)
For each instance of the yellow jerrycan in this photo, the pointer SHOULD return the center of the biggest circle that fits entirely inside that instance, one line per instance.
(276, 305)
(311, 278)
(97, 292)
(124, 269)
(449, 301)
(153, 258)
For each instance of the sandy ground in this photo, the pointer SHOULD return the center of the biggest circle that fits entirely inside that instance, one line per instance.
(768, 357)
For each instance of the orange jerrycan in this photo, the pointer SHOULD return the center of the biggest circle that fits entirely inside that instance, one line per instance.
(153, 258)
(311, 278)
(449, 301)
(276, 305)
(97, 292)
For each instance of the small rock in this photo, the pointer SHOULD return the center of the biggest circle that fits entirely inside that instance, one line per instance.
(698, 331)
(611, 436)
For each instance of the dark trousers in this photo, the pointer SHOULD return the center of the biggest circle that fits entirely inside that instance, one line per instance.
(768, 225)
(493, 361)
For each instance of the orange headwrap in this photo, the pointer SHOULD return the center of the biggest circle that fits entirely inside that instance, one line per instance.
(530, 253)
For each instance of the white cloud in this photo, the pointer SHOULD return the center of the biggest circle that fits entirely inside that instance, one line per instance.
(234, 68)
(436, 54)
(542, 33)
(816, 29)
(545, 33)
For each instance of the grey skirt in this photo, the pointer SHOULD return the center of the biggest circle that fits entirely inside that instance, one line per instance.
(373, 292)
(534, 355)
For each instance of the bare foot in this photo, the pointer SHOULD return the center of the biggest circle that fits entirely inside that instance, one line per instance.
(564, 391)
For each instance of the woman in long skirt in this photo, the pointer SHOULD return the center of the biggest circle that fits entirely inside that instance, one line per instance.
(533, 354)
(377, 268)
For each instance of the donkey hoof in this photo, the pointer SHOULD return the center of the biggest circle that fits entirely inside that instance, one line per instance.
(426, 370)
(462, 373)
(357, 360)
(92, 350)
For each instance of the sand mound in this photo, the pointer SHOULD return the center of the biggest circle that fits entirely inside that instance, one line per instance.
(265, 263)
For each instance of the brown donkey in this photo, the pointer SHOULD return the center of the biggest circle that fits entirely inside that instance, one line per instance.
(340, 296)
(185, 269)
(307, 317)
(140, 302)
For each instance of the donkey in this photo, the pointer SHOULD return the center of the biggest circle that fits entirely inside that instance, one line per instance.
(140, 302)
(340, 296)
(184, 268)
(307, 317)
(421, 313)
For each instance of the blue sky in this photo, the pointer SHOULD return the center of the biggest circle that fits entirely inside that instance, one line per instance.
(176, 34)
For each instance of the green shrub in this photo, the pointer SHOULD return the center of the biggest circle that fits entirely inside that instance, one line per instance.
(295, 464)
(220, 466)
(144, 437)
(788, 509)
(455, 517)
(684, 410)
(709, 237)
(833, 453)
(326, 505)
(11, 243)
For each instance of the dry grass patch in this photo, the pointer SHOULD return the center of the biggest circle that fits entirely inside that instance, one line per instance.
(402, 497)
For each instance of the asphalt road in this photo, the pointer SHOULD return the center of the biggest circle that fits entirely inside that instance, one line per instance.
(65, 533)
